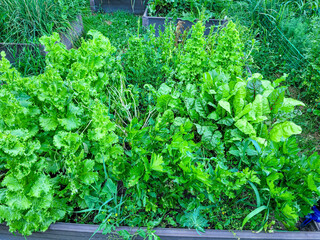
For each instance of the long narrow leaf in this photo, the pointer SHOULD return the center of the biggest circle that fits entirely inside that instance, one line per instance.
(257, 193)
(252, 214)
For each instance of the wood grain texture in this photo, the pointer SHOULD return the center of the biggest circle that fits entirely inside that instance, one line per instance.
(71, 231)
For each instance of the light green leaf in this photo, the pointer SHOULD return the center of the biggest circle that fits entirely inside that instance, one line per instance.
(163, 102)
(290, 212)
(156, 163)
(200, 107)
(18, 200)
(277, 82)
(70, 123)
(289, 104)
(239, 98)
(12, 183)
(210, 137)
(48, 123)
(225, 105)
(110, 187)
(245, 111)
(311, 184)
(89, 178)
(260, 106)
(41, 185)
(244, 126)
(285, 130)
(178, 121)
(164, 90)
(214, 115)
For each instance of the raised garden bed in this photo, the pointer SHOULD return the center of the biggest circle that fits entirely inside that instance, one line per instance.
(72, 231)
(15, 50)
(159, 23)
(133, 6)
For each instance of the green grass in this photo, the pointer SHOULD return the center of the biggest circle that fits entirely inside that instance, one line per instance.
(27, 20)
(118, 26)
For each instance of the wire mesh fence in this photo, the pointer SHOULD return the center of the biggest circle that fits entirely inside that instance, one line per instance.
(288, 52)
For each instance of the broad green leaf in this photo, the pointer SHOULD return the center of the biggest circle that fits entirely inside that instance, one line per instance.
(203, 129)
(191, 91)
(261, 141)
(285, 130)
(178, 121)
(226, 121)
(163, 102)
(214, 115)
(4, 210)
(18, 200)
(89, 178)
(16, 148)
(110, 187)
(142, 233)
(244, 126)
(12, 183)
(70, 123)
(267, 85)
(245, 111)
(261, 106)
(48, 123)
(289, 104)
(136, 173)
(41, 185)
(254, 87)
(201, 107)
(276, 99)
(164, 90)
(239, 98)
(225, 105)
(210, 137)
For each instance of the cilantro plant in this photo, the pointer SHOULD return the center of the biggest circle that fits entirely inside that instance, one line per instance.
(100, 136)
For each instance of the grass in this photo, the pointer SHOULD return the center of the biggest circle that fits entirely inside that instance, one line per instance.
(118, 26)
(27, 20)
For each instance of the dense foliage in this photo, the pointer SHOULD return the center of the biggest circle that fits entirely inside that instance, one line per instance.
(186, 8)
(273, 55)
(166, 134)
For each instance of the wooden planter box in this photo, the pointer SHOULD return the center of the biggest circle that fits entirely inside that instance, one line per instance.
(159, 22)
(15, 50)
(132, 6)
(71, 231)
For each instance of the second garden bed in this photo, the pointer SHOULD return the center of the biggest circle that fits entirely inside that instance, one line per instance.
(159, 23)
